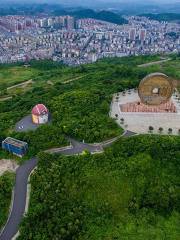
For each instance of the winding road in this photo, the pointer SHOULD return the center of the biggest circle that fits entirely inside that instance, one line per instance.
(23, 172)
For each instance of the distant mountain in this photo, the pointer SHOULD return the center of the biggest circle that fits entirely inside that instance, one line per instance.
(101, 9)
(28, 9)
(100, 15)
(127, 6)
(58, 10)
(163, 16)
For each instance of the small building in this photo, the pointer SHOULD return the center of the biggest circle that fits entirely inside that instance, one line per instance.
(15, 146)
(40, 114)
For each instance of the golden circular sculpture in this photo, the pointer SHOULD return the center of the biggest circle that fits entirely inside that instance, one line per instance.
(155, 89)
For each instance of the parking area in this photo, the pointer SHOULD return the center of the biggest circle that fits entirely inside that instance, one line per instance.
(25, 124)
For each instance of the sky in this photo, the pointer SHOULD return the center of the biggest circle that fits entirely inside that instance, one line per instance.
(95, 3)
(103, 1)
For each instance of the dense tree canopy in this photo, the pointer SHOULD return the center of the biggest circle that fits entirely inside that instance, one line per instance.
(78, 98)
(6, 184)
(130, 191)
(80, 114)
(163, 16)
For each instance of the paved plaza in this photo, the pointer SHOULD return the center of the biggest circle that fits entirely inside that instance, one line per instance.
(140, 122)
(26, 124)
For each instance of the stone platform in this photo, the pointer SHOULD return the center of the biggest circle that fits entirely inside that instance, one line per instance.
(134, 116)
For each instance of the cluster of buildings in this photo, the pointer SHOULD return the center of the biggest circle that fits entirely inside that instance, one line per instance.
(83, 41)
(16, 24)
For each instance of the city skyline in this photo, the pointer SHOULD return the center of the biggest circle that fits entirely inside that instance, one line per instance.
(84, 40)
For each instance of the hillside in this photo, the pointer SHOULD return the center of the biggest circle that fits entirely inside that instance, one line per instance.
(78, 98)
(58, 10)
(169, 17)
(107, 16)
(130, 190)
(6, 186)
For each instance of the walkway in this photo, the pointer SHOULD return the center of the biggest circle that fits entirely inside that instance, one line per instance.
(154, 63)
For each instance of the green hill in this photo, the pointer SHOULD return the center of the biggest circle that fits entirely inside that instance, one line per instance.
(107, 16)
(169, 17)
(131, 191)
(90, 87)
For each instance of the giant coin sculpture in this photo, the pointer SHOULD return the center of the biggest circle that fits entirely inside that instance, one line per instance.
(155, 89)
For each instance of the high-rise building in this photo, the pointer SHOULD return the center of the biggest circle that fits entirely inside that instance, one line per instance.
(142, 35)
(132, 34)
(70, 23)
(50, 22)
(42, 22)
(62, 21)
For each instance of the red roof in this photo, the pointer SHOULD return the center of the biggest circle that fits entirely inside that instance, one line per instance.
(39, 109)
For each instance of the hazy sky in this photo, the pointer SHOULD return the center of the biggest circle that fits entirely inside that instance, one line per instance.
(89, 1)
(93, 3)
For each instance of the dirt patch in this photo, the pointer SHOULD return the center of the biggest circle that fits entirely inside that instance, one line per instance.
(74, 79)
(5, 98)
(50, 82)
(7, 165)
(154, 63)
(21, 85)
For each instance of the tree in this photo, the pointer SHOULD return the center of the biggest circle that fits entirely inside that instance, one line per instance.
(151, 129)
(68, 192)
(160, 129)
(122, 120)
(170, 130)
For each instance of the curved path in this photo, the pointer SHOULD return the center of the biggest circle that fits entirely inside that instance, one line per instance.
(19, 200)
(154, 63)
(23, 172)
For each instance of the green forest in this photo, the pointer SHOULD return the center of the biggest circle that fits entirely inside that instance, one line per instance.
(131, 191)
(169, 17)
(103, 15)
(6, 185)
(77, 98)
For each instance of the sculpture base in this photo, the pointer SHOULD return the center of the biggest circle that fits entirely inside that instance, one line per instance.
(167, 107)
